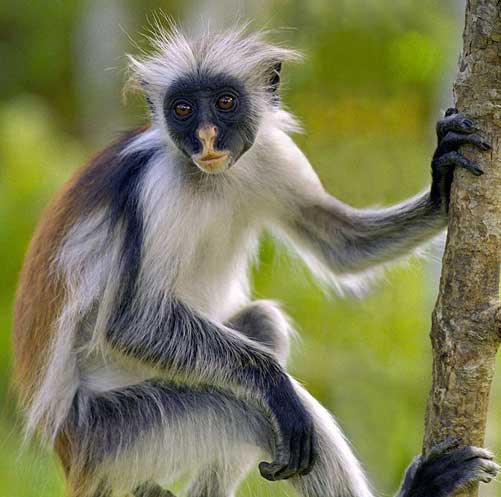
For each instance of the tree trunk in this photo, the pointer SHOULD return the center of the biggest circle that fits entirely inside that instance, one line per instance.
(466, 322)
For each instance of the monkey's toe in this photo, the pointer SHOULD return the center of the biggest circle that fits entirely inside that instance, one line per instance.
(448, 469)
(444, 447)
(455, 159)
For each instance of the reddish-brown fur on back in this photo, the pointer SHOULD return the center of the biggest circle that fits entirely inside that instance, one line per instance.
(40, 295)
(41, 292)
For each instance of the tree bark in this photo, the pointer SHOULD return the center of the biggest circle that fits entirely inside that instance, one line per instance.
(466, 322)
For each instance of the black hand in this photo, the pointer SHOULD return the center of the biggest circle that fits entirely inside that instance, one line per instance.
(295, 449)
(453, 131)
(446, 468)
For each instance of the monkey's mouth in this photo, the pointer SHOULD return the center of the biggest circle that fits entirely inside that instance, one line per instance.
(213, 162)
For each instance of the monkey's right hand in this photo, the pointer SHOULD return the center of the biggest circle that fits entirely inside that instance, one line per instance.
(453, 131)
(295, 449)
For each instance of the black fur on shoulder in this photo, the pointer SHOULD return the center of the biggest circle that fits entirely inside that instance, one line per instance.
(112, 181)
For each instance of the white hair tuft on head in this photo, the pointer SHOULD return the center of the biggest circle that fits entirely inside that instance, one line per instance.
(236, 52)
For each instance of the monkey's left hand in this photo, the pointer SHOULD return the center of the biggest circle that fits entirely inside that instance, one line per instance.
(453, 131)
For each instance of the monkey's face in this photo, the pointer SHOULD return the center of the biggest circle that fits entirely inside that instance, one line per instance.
(211, 120)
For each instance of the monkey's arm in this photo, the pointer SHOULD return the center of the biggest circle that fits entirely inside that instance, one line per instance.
(187, 347)
(350, 240)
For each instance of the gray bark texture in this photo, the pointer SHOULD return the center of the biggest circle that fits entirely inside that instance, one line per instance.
(466, 322)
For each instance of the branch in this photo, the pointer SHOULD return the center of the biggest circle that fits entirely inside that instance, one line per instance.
(466, 322)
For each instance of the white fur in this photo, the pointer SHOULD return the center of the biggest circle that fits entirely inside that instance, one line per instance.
(199, 244)
(176, 55)
(227, 437)
(83, 261)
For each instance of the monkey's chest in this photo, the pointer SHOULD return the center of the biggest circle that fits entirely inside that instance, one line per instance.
(215, 278)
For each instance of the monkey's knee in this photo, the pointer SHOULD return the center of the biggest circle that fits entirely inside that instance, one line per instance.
(265, 322)
(162, 427)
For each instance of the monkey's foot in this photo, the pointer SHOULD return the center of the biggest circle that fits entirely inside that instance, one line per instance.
(447, 468)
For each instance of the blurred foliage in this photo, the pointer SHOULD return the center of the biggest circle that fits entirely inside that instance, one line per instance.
(377, 73)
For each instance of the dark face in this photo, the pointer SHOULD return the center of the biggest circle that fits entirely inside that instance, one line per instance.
(210, 120)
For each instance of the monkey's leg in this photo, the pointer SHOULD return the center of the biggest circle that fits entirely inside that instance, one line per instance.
(439, 473)
(263, 321)
(337, 472)
(155, 431)
(219, 480)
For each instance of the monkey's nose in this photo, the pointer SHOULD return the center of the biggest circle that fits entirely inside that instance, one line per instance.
(207, 135)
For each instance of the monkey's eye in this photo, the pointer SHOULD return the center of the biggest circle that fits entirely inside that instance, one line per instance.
(226, 102)
(183, 109)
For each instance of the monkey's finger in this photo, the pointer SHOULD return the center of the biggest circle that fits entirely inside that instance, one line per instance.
(309, 454)
(285, 473)
(454, 122)
(455, 159)
(452, 141)
(290, 469)
(280, 461)
(306, 456)
(296, 450)
(302, 456)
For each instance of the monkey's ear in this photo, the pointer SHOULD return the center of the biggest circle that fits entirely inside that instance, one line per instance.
(274, 81)
(145, 87)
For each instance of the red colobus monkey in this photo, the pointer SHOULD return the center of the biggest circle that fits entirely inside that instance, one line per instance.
(139, 353)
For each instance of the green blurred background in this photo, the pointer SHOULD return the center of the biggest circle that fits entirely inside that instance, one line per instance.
(376, 77)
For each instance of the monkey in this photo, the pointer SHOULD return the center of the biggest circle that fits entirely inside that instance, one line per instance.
(140, 355)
